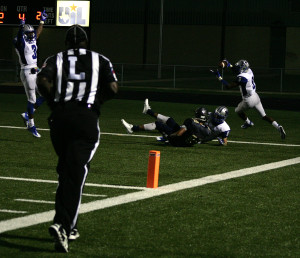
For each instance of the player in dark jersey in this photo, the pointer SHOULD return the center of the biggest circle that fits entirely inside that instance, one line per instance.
(192, 131)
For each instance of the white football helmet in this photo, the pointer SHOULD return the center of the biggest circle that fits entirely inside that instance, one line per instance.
(241, 66)
(29, 32)
(220, 114)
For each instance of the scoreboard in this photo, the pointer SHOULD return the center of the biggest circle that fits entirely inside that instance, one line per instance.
(60, 13)
(11, 12)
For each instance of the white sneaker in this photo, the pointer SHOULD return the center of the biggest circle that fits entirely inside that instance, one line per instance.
(74, 234)
(127, 126)
(282, 132)
(34, 131)
(246, 125)
(146, 106)
(60, 238)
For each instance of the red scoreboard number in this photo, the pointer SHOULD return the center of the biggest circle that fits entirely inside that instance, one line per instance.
(22, 16)
(11, 13)
(1, 17)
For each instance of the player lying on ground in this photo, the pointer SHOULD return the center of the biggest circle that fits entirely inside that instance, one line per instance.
(193, 131)
(250, 99)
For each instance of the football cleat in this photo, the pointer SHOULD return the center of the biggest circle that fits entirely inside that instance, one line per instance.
(146, 106)
(25, 118)
(74, 234)
(34, 131)
(161, 139)
(127, 126)
(246, 125)
(220, 140)
(282, 132)
(60, 238)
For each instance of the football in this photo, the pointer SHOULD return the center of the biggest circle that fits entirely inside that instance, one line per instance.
(223, 64)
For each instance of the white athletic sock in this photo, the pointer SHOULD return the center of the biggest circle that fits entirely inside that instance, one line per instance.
(248, 120)
(150, 127)
(275, 124)
(162, 118)
(31, 122)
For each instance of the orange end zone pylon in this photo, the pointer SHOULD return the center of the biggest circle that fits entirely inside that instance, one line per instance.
(153, 169)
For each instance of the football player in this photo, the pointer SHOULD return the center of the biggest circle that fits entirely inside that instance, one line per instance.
(250, 99)
(26, 47)
(193, 130)
(218, 126)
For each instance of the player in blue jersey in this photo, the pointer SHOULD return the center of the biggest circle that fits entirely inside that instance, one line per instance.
(26, 48)
(250, 99)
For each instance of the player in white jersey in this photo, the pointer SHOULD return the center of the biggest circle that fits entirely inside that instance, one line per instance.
(219, 128)
(26, 48)
(250, 99)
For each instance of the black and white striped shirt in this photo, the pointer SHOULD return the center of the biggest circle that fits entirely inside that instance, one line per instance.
(78, 75)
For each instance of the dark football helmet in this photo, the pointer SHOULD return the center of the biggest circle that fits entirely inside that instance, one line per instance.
(29, 33)
(241, 66)
(220, 114)
(201, 114)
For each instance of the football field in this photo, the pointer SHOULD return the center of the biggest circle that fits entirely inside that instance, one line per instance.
(236, 201)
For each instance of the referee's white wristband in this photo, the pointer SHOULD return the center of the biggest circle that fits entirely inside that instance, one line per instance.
(42, 22)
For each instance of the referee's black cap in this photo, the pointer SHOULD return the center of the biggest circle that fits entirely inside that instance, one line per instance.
(76, 34)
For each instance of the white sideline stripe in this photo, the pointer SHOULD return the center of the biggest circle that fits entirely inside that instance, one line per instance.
(47, 216)
(34, 201)
(94, 195)
(151, 136)
(87, 184)
(13, 211)
(266, 143)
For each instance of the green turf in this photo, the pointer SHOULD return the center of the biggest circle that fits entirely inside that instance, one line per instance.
(251, 216)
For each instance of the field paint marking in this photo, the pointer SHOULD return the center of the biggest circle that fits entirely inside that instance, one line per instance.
(47, 216)
(94, 195)
(87, 184)
(151, 136)
(34, 201)
(12, 211)
(91, 195)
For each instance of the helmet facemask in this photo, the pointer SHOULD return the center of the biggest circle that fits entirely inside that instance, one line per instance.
(29, 33)
(241, 66)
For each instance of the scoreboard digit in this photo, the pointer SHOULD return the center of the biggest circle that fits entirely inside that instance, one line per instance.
(11, 12)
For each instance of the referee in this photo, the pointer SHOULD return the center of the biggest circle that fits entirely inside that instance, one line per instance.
(75, 83)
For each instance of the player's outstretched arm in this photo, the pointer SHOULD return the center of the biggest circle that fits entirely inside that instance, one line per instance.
(41, 25)
(228, 85)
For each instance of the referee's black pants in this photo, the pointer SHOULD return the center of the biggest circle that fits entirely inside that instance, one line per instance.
(75, 135)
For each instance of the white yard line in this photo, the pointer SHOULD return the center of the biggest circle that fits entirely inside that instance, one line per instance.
(87, 184)
(12, 211)
(152, 136)
(34, 201)
(47, 216)
(94, 195)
